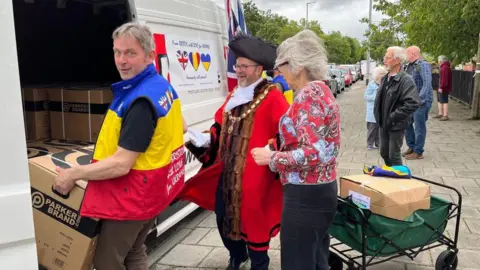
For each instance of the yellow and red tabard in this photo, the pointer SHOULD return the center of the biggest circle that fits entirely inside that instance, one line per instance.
(158, 174)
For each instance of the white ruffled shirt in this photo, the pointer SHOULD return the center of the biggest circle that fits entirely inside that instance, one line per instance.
(242, 96)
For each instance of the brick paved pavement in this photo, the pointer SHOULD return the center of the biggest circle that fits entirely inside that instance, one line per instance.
(452, 156)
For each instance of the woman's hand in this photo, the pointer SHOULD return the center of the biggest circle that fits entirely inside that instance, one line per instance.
(261, 155)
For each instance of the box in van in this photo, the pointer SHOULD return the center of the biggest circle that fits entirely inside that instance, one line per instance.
(77, 113)
(36, 115)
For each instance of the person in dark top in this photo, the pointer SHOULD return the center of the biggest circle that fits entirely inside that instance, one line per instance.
(444, 88)
(137, 168)
(397, 99)
(138, 126)
(416, 131)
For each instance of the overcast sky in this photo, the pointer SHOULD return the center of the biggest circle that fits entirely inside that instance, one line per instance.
(333, 15)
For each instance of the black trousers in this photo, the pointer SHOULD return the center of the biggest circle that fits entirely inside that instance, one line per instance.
(373, 135)
(390, 146)
(238, 249)
(308, 212)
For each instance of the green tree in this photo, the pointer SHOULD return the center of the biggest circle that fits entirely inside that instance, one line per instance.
(289, 30)
(270, 29)
(355, 52)
(276, 28)
(379, 39)
(253, 17)
(448, 27)
(338, 48)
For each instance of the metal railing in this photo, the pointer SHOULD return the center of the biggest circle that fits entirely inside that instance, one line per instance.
(462, 86)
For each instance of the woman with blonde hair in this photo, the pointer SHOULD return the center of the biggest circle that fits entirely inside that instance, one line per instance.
(306, 157)
(373, 132)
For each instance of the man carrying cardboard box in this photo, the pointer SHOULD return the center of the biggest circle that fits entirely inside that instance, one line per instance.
(138, 162)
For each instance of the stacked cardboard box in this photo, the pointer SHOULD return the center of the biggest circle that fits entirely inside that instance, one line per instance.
(77, 113)
(389, 197)
(61, 123)
(65, 240)
(72, 113)
(35, 111)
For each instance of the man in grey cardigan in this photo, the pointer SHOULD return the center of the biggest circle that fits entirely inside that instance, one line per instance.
(396, 101)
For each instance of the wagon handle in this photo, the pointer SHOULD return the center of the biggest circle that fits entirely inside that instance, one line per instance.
(459, 210)
(443, 186)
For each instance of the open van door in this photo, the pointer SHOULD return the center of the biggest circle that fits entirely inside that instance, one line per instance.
(17, 239)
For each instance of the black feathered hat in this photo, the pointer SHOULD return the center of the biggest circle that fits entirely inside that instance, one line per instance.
(255, 49)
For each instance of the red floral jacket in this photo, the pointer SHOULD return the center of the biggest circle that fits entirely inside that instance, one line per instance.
(310, 138)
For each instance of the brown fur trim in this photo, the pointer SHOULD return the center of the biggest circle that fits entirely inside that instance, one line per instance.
(233, 152)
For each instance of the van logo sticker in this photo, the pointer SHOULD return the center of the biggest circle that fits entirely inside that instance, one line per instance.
(182, 57)
(194, 60)
(205, 57)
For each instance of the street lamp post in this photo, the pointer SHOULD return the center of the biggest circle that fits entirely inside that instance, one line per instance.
(306, 15)
(368, 40)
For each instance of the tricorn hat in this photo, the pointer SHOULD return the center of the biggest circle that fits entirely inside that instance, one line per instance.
(255, 49)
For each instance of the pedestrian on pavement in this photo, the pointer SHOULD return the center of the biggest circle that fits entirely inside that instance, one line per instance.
(396, 101)
(306, 158)
(373, 135)
(140, 142)
(444, 89)
(246, 198)
(416, 131)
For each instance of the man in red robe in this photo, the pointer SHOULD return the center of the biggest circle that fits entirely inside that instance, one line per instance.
(246, 198)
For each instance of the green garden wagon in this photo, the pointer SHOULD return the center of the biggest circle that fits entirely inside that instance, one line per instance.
(360, 238)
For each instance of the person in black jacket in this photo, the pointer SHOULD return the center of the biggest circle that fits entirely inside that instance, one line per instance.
(396, 101)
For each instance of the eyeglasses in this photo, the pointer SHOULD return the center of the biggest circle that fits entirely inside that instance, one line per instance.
(281, 65)
(243, 67)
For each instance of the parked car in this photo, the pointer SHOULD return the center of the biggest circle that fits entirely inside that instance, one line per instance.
(353, 71)
(340, 78)
(332, 83)
(348, 77)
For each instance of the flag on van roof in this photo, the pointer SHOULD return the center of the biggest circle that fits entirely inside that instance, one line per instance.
(236, 23)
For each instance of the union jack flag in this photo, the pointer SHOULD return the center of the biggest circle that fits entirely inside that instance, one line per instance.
(236, 23)
(182, 57)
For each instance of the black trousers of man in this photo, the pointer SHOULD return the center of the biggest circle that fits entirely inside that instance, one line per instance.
(390, 146)
(238, 249)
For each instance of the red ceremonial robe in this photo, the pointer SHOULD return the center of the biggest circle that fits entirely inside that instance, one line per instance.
(261, 196)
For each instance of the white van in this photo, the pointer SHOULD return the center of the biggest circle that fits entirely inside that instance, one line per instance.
(69, 41)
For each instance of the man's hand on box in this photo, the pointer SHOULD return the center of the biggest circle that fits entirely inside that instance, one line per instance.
(64, 183)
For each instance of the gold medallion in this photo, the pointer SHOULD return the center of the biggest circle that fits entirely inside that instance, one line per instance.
(230, 129)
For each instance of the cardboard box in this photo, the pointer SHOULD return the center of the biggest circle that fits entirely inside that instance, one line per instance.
(77, 113)
(64, 239)
(389, 197)
(35, 111)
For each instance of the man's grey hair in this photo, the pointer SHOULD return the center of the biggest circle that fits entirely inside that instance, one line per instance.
(304, 50)
(138, 31)
(399, 53)
(379, 71)
(442, 58)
